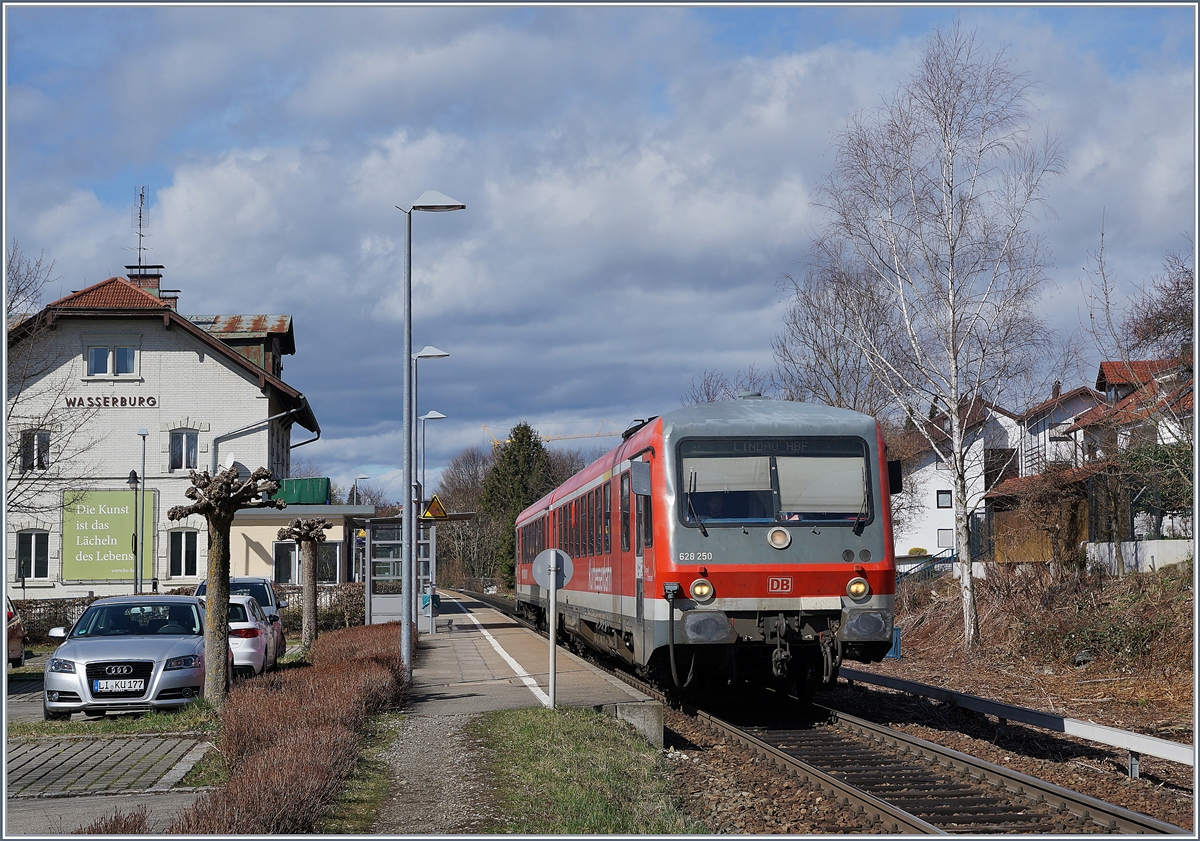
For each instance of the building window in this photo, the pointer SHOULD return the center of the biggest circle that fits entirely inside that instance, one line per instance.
(112, 360)
(183, 554)
(97, 361)
(944, 499)
(35, 450)
(33, 555)
(945, 538)
(183, 450)
(124, 361)
(289, 564)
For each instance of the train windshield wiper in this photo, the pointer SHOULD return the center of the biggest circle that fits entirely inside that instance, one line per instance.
(860, 519)
(691, 510)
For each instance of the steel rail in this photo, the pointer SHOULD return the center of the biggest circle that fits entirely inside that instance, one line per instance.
(1136, 743)
(877, 811)
(1111, 817)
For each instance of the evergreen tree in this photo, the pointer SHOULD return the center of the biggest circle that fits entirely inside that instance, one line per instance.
(519, 476)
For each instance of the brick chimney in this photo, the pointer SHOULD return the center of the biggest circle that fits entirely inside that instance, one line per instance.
(149, 279)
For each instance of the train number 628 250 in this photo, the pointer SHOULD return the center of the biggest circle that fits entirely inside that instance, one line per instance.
(695, 556)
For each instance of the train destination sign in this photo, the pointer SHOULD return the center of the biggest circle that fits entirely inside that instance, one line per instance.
(98, 529)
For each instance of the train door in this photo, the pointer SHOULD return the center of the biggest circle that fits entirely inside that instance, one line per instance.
(643, 535)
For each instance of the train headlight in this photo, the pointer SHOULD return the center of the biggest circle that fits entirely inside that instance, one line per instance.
(858, 588)
(701, 590)
(779, 537)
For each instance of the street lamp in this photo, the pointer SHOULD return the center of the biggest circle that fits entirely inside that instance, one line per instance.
(133, 486)
(428, 416)
(432, 201)
(356, 478)
(427, 352)
(141, 553)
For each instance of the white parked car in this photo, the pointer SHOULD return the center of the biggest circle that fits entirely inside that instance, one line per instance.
(263, 590)
(251, 637)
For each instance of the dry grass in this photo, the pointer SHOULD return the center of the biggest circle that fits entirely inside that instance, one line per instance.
(1139, 622)
(119, 823)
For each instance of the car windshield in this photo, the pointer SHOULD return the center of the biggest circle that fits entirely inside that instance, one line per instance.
(259, 591)
(127, 620)
(809, 479)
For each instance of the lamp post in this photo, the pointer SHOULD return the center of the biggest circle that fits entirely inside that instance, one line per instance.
(428, 416)
(132, 481)
(141, 553)
(427, 352)
(356, 478)
(430, 200)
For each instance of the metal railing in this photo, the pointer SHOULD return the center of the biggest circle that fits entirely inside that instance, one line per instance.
(932, 567)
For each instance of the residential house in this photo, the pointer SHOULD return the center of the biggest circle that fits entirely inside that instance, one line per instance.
(992, 436)
(111, 378)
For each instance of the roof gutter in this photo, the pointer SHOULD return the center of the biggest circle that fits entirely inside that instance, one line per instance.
(304, 405)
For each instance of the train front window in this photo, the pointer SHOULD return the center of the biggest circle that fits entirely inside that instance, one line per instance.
(808, 479)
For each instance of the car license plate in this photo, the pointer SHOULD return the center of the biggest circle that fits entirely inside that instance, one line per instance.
(128, 684)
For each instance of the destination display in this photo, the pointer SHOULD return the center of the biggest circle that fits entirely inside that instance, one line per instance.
(98, 529)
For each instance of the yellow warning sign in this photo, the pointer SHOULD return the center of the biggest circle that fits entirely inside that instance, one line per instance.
(435, 510)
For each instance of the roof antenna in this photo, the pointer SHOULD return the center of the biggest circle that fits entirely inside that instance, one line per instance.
(140, 220)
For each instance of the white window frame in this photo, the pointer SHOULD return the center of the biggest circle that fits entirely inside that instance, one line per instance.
(31, 444)
(183, 435)
(34, 534)
(109, 343)
(945, 538)
(183, 573)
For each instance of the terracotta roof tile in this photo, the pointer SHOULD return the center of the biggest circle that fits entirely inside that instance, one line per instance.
(1135, 372)
(1018, 485)
(1053, 401)
(116, 293)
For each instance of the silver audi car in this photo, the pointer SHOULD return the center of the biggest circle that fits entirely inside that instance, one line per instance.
(128, 653)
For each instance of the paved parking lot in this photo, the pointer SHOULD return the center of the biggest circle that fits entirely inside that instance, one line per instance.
(56, 785)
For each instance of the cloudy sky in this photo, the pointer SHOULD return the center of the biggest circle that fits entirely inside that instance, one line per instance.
(637, 179)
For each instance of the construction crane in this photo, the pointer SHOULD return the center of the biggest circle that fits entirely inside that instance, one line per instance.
(599, 433)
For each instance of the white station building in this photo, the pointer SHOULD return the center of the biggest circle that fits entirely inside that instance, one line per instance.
(110, 377)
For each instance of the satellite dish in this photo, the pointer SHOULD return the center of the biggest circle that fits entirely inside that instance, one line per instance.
(229, 460)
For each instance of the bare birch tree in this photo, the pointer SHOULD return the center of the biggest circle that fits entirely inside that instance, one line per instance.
(48, 441)
(931, 206)
(308, 532)
(218, 499)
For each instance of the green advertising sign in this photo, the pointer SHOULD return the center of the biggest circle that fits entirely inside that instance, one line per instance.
(98, 535)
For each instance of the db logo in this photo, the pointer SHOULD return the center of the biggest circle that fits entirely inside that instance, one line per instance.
(776, 584)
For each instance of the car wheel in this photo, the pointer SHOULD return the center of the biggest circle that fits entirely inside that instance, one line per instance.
(49, 715)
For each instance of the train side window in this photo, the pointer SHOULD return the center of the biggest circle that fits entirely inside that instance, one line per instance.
(597, 540)
(591, 518)
(607, 517)
(625, 511)
(647, 521)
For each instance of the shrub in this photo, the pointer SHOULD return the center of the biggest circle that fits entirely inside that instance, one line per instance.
(118, 823)
(290, 739)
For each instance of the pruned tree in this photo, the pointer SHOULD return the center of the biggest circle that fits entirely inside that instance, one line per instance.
(48, 440)
(521, 473)
(307, 532)
(218, 499)
(931, 204)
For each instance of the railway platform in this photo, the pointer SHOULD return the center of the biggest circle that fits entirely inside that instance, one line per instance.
(480, 660)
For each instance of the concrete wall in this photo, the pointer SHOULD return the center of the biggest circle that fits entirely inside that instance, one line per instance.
(1141, 555)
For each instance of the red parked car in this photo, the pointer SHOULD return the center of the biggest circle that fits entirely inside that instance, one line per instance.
(16, 636)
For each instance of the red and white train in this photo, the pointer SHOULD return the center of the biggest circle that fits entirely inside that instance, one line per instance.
(743, 541)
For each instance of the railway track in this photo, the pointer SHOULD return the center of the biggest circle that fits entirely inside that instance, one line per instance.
(901, 784)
